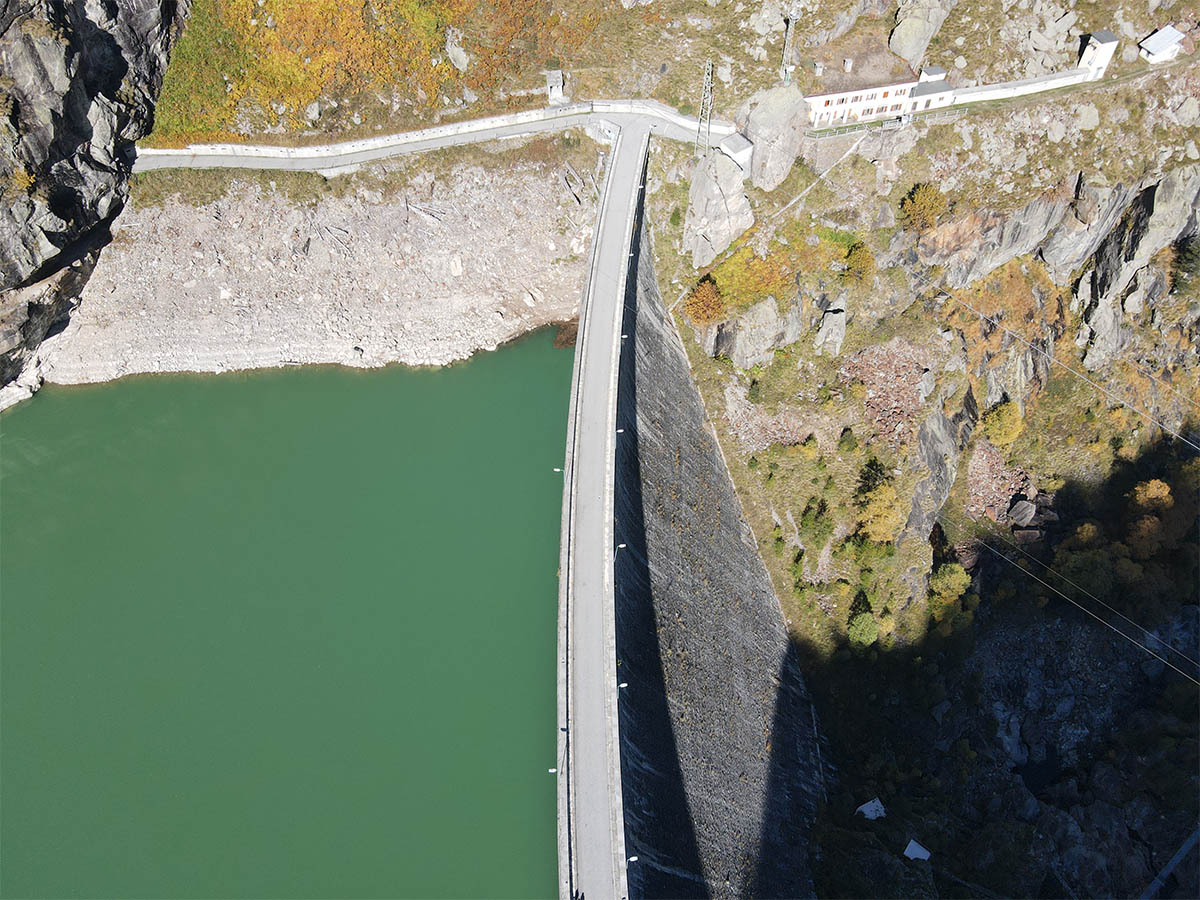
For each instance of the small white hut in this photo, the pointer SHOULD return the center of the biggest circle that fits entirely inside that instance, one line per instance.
(1162, 46)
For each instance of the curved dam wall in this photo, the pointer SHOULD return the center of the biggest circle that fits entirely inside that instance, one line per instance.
(720, 759)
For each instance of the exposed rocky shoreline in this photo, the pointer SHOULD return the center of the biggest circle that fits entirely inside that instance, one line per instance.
(440, 270)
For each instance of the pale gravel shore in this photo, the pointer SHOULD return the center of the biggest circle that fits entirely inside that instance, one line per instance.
(457, 264)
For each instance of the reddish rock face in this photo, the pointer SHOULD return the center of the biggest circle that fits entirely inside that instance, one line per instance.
(975, 244)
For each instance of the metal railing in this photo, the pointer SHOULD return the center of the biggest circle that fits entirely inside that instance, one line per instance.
(933, 115)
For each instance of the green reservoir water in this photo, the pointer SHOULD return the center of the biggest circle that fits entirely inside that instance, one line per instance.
(286, 634)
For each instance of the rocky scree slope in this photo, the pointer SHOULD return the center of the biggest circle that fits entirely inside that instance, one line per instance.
(78, 81)
(426, 274)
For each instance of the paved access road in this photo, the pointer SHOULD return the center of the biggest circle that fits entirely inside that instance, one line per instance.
(332, 157)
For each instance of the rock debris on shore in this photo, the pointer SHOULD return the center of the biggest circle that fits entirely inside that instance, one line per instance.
(449, 266)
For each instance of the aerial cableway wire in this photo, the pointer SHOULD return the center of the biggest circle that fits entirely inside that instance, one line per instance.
(1155, 638)
(1102, 621)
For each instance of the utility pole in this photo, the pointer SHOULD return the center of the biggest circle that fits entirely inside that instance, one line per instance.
(704, 123)
(786, 67)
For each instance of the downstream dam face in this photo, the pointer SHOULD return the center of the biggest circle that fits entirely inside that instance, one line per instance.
(720, 758)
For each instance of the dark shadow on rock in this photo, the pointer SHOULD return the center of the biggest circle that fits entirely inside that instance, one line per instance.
(1024, 716)
(658, 823)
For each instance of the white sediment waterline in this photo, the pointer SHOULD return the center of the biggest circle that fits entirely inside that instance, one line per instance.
(454, 265)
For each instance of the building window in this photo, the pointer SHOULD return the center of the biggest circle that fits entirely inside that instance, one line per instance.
(885, 93)
(856, 98)
(927, 102)
(895, 106)
(841, 100)
(826, 102)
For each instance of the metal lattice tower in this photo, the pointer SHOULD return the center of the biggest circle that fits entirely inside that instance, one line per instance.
(704, 123)
(785, 67)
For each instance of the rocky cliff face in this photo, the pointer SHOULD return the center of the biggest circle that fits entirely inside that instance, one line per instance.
(844, 21)
(940, 442)
(720, 763)
(1159, 215)
(1110, 233)
(718, 210)
(79, 81)
(917, 21)
(972, 246)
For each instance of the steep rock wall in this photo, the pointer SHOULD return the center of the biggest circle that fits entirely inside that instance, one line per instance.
(78, 82)
(720, 760)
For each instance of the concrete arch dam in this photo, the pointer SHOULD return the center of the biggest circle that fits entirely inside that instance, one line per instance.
(700, 777)
(690, 756)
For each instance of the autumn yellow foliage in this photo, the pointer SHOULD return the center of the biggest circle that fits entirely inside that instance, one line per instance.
(22, 180)
(881, 514)
(922, 206)
(284, 54)
(1003, 424)
(704, 305)
(1153, 494)
(860, 262)
(745, 278)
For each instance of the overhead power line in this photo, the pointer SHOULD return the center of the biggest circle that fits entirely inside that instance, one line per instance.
(1102, 621)
(1145, 415)
(1170, 387)
(1155, 638)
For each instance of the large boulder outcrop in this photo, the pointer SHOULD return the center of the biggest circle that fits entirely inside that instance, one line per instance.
(917, 21)
(774, 121)
(752, 338)
(970, 247)
(831, 332)
(718, 209)
(79, 79)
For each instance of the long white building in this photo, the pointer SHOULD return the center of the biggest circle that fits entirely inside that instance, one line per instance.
(931, 90)
(886, 101)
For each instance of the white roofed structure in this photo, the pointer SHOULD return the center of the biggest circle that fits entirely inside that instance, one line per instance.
(738, 148)
(1162, 46)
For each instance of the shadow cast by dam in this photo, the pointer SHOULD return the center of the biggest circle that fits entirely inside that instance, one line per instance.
(921, 724)
(659, 829)
(795, 786)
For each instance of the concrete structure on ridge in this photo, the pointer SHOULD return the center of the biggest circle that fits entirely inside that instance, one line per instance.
(932, 91)
(1162, 46)
(738, 148)
(929, 91)
(555, 95)
(1098, 53)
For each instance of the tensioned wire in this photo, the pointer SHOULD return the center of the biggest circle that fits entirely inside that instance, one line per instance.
(1102, 621)
(1155, 638)
(1145, 415)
